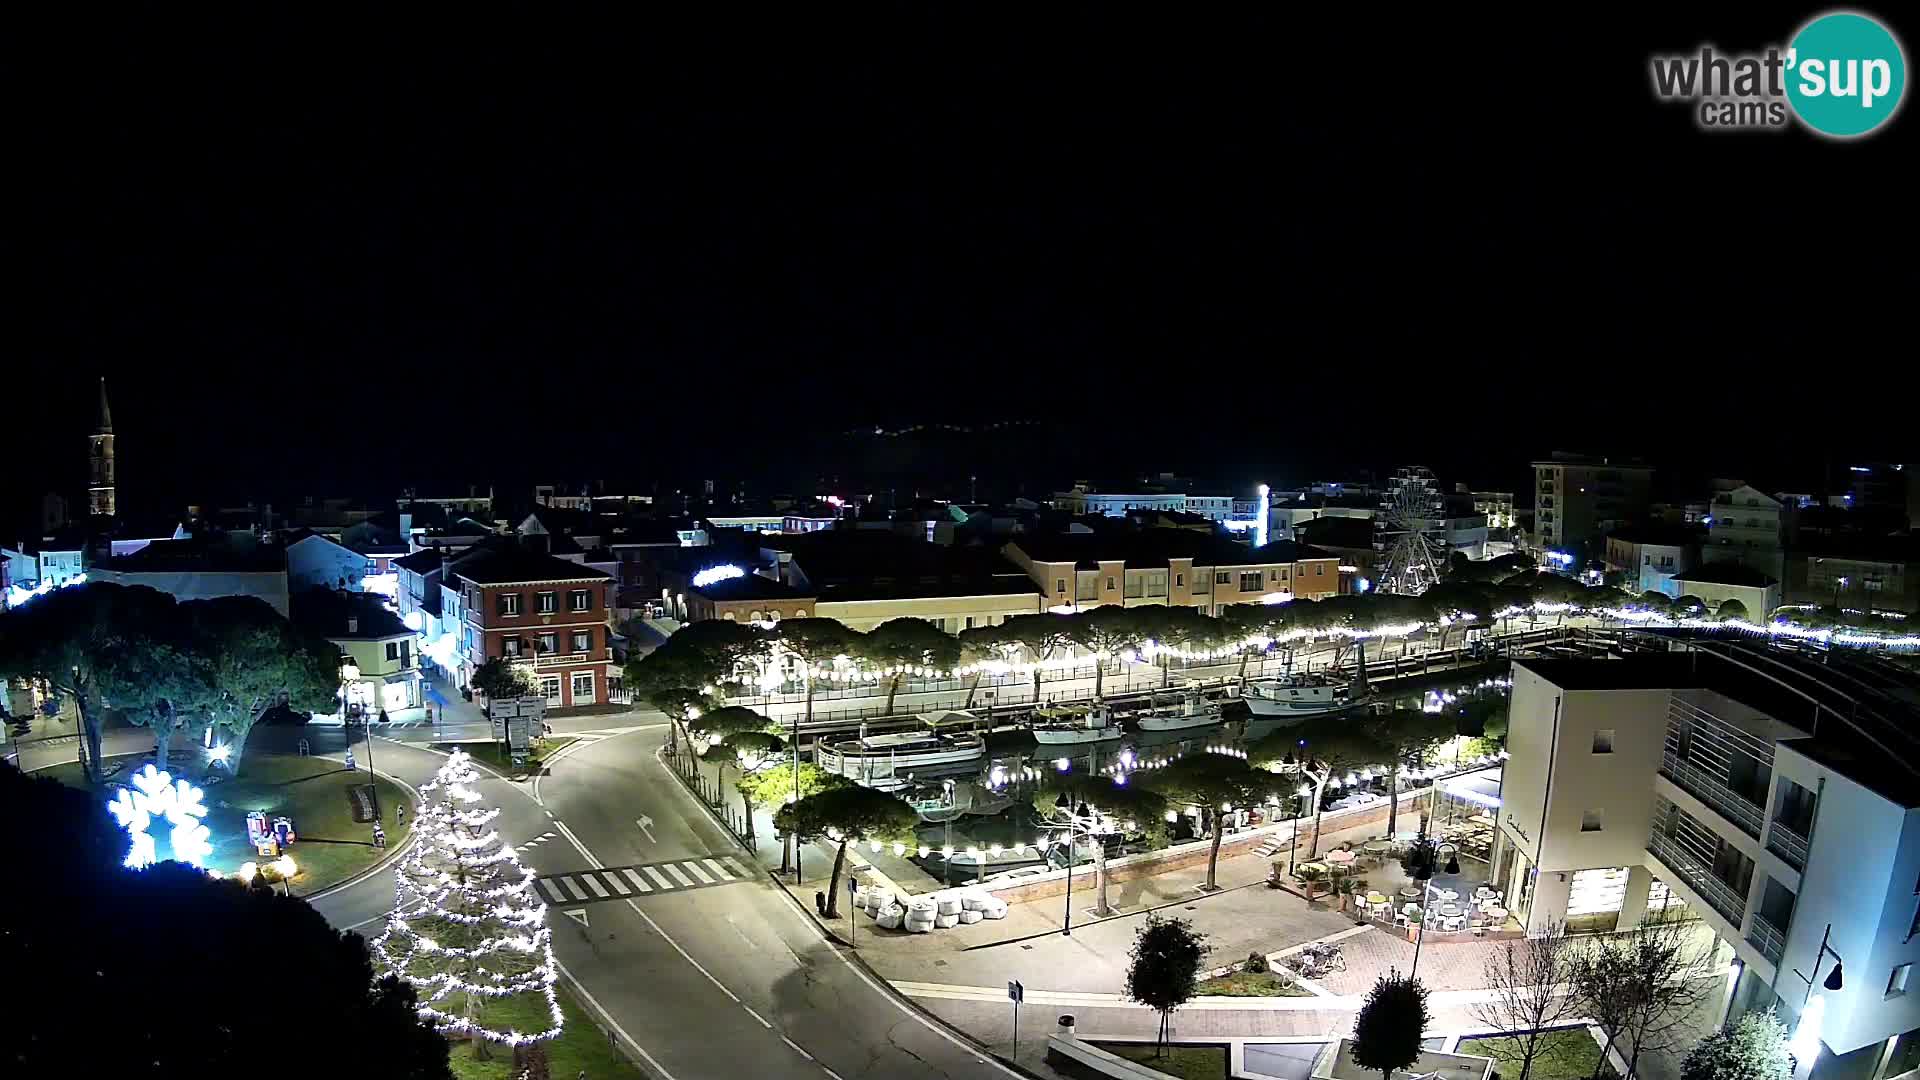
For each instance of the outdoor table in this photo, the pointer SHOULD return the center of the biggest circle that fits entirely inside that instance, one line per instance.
(1375, 899)
(1498, 915)
(1452, 910)
(1377, 847)
(1317, 867)
(1411, 892)
(1340, 857)
(1446, 894)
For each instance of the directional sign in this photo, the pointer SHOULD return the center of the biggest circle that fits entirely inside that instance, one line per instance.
(646, 826)
(1015, 992)
(852, 885)
(577, 915)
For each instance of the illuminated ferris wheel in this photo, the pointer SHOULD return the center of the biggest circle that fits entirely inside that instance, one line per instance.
(1409, 532)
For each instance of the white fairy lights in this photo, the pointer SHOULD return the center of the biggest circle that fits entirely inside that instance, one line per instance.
(157, 794)
(467, 927)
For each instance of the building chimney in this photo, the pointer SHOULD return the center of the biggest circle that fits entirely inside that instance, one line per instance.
(353, 624)
(446, 567)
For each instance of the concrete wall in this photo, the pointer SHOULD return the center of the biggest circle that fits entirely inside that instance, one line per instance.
(864, 615)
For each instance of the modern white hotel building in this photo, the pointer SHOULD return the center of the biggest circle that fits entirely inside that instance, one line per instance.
(1775, 795)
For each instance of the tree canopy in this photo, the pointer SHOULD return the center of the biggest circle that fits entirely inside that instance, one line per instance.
(169, 999)
(848, 814)
(1163, 968)
(501, 679)
(1754, 1048)
(1214, 782)
(1386, 1035)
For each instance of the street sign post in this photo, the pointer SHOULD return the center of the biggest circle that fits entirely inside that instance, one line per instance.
(853, 887)
(1016, 993)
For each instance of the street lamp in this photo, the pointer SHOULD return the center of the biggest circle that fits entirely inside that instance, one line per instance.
(285, 867)
(1805, 1044)
(350, 673)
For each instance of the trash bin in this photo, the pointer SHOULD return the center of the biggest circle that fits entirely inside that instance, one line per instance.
(1066, 1023)
(820, 903)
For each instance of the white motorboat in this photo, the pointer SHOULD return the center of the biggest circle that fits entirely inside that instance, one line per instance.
(1194, 711)
(1295, 697)
(888, 760)
(1074, 724)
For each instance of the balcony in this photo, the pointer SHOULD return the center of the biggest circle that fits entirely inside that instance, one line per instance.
(1694, 874)
(1768, 938)
(1787, 844)
(1708, 789)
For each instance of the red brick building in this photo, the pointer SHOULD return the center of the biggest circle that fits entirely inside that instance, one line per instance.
(549, 613)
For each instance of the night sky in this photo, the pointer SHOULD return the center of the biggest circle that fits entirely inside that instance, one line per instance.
(350, 258)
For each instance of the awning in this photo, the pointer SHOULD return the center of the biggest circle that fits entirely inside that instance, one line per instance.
(1482, 787)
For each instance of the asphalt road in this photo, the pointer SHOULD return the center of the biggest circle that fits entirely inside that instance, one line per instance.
(715, 980)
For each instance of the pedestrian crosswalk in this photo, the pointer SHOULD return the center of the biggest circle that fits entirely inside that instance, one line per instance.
(648, 879)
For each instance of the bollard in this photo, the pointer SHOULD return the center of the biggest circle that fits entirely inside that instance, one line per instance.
(820, 903)
(1066, 1023)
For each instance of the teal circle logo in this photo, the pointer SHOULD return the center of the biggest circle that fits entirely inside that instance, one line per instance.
(1845, 74)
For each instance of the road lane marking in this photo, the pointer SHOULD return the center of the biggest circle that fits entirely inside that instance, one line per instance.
(573, 887)
(638, 883)
(830, 1072)
(581, 989)
(658, 877)
(618, 885)
(554, 895)
(697, 872)
(677, 875)
(593, 882)
(718, 869)
(796, 1047)
(757, 1016)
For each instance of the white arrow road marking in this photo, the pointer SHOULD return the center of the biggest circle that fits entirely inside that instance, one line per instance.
(577, 915)
(646, 826)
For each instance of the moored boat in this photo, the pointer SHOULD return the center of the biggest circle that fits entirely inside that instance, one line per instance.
(1074, 725)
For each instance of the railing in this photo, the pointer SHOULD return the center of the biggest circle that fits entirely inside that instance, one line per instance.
(1768, 938)
(1787, 844)
(1708, 789)
(1699, 877)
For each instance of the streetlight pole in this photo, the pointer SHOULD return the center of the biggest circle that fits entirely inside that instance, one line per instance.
(1067, 927)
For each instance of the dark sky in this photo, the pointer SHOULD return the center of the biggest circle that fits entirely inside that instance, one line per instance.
(1245, 242)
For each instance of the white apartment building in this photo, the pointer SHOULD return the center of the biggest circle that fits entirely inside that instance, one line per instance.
(1774, 798)
(1111, 504)
(1748, 526)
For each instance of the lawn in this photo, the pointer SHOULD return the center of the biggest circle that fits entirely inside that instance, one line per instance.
(1185, 1062)
(1251, 984)
(581, 1050)
(312, 791)
(1568, 1054)
(494, 755)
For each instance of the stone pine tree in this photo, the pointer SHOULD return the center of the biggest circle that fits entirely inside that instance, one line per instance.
(1386, 1035)
(1215, 783)
(1095, 806)
(467, 931)
(1163, 969)
(847, 815)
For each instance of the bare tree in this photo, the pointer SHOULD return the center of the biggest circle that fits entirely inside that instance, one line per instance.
(1531, 981)
(1641, 988)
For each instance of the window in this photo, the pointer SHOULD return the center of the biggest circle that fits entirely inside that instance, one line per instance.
(583, 688)
(549, 643)
(1319, 569)
(1222, 577)
(1060, 585)
(1590, 821)
(406, 653)
(1250, 581)
(1897, 982)
(510, 603)
(582, 640)
(393, 650)
(1109, 584)
(580, 600)
(1603, 741)
(548, 603)
(969, 625)
(550, 688)
(510, 646)
(1179, 580)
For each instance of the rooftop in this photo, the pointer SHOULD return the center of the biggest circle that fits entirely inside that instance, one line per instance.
(1148, 548)
(1667, 535)
(326, 611)
(1726, 573)
(748, 587)
(201, 556)
(508, 564)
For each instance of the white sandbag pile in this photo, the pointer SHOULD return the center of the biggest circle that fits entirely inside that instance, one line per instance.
(949, 903)
(889, 917)
(947, 922)
(921, 915)
(973, 900)
(970, 917)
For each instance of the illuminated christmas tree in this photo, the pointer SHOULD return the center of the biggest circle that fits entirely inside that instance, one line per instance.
(467, 929)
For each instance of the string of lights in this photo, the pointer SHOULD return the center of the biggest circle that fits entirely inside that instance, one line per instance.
(466, 927)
